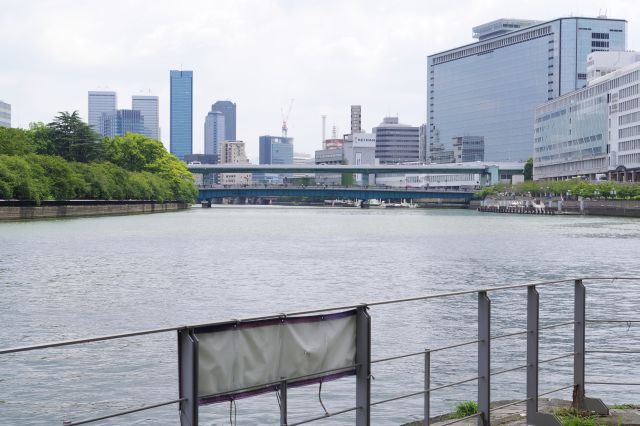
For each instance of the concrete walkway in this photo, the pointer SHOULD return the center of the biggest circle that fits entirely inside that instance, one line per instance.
(514, 415)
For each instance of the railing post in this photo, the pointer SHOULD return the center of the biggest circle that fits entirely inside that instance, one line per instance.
(427, 386)
(283, 402)
(533, 301)
(363, 371)
(484, 358)
(578, 344)
(188, 377)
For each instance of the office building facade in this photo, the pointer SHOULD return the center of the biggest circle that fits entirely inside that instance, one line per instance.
(233, 152)
(228, 109)
(121, 122)
(468, 148)
(491, 88)
(276, 150)
(592, 131)
(181, 113)
(5, 114)
(149, 111)
(356, 119)
(214, 131)
(101, 102)
(396, 142)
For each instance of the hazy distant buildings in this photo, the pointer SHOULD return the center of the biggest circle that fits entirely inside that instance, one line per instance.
(276, 150)
(214, 130)
(356, 119)
(233, 152)
(228, 109)
(121, 122)
(5, 114)
(101, 103)
(396, 142)
(148, 107)
(181, 113)
(468, 148)
(492, 87)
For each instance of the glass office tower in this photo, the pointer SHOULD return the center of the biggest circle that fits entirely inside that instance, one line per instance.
(148, 107)
(276, 150)
(101, 102)
(491, 88)
(228, 109)
(5, 114)
(181, 113)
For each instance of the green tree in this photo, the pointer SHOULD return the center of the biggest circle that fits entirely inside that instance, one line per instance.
(528, 169)
(73, 139)
(133, 152)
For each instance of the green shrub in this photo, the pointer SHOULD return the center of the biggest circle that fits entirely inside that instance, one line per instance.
(465, 408)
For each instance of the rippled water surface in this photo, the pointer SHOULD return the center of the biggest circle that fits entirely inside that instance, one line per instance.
(73, 278)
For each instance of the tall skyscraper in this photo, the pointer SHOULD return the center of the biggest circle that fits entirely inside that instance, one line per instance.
(233, 152)
(396, 142)
(213, 132)
(491, 88)
(181, 113)
(276, 150)
(148, 107)
(101, 102)
(121, 122)
(5, 114)
(228, 109)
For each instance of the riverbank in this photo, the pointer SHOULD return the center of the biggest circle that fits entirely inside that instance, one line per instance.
(587, 207)
(20, 210)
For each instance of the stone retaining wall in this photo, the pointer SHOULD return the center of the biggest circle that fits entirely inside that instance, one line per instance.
(15, 210)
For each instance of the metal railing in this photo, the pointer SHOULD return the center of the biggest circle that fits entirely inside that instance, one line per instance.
(364, 362)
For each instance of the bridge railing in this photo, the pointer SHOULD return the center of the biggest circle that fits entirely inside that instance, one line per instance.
(484, 372)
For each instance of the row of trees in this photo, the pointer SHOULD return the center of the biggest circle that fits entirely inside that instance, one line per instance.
(66, 159)
(571, 188)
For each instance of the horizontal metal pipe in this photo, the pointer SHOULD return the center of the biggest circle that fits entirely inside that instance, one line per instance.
(509, 404)
(613, 321)
(122, 413)
(502, 336)
(560, 324)
(555, 390)
(459, 420)
(443, 348)
(423, 391)
(556, 358)
(613, 351)
(312, 311)
(613, 383)
(89, 340)
(508, 370)
(323, 416)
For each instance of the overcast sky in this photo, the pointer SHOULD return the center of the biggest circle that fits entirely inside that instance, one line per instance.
(325, 54)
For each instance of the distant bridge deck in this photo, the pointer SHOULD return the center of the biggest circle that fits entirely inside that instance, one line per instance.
(332, 192)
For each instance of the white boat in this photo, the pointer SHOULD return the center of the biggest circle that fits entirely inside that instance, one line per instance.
(374, 203)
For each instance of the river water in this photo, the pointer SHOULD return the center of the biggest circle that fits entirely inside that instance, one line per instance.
(74, 278)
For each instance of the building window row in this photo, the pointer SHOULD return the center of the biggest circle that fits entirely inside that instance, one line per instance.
(601, 36)
(599, 44)
(487, 47)
(567, 144)
(629, 145)
(629, 91)
(628, 105)
(628, 132)
(629, 159)
(628, 118)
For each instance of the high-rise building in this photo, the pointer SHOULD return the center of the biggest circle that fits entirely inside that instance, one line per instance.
(148, 107)
(228, 109)
(491, 88)
(101, 102)
(356, 119)
(213, 132)
(181, 113)
(468, 148)
(276, 150)
(396, 143)
(5, 114)
(594, 130)
(233, 152)
(121, 122)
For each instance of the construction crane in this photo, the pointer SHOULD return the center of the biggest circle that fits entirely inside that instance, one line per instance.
(285, 118)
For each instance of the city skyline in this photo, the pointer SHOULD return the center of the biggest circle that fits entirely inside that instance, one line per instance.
(264, 66)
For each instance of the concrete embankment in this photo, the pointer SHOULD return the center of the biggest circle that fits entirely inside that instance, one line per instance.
(16, 210)
(590, 207)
